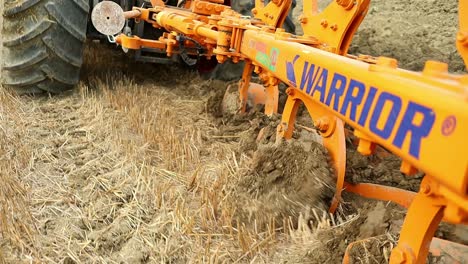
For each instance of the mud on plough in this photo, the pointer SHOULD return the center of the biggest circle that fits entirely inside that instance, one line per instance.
(419, 116)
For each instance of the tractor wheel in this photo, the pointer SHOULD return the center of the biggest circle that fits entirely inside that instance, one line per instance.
(43, 44)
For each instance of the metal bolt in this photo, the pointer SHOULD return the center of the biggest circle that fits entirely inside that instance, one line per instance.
(257, 69)
(334, 27)
(426, 189)
(347, 4)
(321, 125)
(221, 58)
(324, 23)
(317, 123)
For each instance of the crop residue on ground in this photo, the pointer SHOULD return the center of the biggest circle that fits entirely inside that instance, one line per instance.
(137, 165)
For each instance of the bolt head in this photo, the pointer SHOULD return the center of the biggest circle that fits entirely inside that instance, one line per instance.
(321, 125)
(426, 189)
(221, 58)
(324, 23)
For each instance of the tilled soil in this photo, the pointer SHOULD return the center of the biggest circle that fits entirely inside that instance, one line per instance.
(138, 165)
(283, 181)
(383, 169)
(132, 170)
(411, 32)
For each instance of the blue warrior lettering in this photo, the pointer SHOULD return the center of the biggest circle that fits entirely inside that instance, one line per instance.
(345, 95)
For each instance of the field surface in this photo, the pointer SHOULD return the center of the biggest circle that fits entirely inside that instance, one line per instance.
(137, 165)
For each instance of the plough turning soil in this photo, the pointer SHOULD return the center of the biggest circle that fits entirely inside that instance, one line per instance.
(419, 116)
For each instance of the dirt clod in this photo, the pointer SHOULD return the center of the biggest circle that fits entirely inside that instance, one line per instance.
(285, 181)
(382, 168)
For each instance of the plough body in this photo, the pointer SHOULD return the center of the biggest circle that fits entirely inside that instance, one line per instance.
(419, 116)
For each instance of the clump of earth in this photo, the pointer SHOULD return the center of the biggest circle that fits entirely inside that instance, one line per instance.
(284, 181)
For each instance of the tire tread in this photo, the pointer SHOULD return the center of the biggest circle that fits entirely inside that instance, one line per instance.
(43, 47)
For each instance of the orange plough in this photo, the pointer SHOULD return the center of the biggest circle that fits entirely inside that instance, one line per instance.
(414, 115)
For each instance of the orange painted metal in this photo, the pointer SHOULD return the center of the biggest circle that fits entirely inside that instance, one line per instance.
(271, 100)
(410, 87)
(274, 13)
(336, 25)
(208, 8)
(157, 3)
(420, 117)
(256, 94)
(336, 146)
(347, 258)
(244, 86)
(138, 43)
(421, 222)
(331, 129)
(250, 94)
(462, 36)
(381, 192)
(451, 252)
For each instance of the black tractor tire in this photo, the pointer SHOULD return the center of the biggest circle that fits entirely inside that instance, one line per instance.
(43, 44)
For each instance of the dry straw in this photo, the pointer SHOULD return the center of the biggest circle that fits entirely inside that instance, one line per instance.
(17, 229)
(127, 169)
